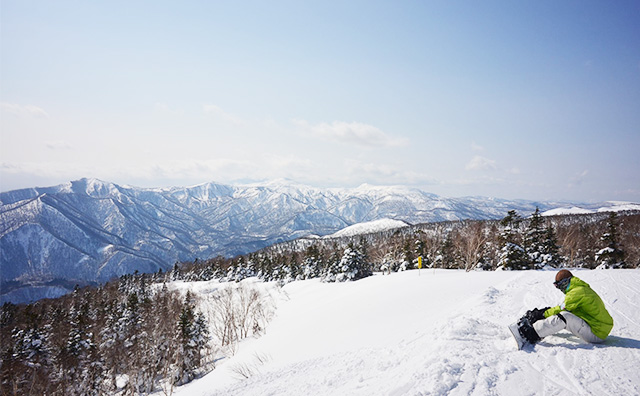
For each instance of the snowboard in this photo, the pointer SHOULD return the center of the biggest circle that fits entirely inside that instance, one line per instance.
(520, 341)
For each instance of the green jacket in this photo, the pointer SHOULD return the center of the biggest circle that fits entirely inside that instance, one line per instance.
(583, 302)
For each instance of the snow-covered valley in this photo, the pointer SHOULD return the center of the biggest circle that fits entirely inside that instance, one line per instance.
(428, 332)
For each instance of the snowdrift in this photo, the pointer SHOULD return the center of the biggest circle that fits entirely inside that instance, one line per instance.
(430, 333)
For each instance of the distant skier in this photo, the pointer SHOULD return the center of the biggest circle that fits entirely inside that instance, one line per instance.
(583, 314)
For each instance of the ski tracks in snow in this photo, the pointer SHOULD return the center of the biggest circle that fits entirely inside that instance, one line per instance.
(468, 350)
(473, 347)
(562, 363)
(476, 355)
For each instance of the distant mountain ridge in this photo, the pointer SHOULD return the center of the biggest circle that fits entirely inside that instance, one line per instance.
(91, 231)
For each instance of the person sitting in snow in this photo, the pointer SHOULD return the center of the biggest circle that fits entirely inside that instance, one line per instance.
(583, 313)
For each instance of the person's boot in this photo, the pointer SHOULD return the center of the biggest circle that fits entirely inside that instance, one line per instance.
(527, 331)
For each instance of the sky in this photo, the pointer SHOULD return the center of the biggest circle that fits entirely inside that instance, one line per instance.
(530, 100)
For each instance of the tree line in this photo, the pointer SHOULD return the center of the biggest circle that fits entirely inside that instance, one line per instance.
(601, 240)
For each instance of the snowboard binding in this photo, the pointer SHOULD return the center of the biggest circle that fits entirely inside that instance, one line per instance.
(523, 332)
(527, 331)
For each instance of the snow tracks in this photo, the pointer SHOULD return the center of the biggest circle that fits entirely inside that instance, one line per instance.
(472, 353)
(443, 333)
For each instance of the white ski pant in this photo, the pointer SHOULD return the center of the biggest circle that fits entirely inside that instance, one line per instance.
(574, 324)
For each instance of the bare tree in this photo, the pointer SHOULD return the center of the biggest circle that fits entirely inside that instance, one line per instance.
(471, 243)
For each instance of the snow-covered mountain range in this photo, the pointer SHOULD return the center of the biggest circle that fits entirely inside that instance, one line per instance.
(91, 231)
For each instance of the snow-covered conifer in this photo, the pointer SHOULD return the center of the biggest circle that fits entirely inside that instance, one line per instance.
(512, 255)
(352, 266)
(446, 257)
(550, 250)
(612, 255)
(533, 240)
(193, 336)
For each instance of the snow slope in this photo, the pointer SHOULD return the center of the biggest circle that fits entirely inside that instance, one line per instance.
(368, 227)
(431, 333)
(612, 206)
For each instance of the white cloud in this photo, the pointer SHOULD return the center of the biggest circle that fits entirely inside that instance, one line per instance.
(30, 174)
(23, 110)
(164, 108)
(476, 147)
(479, 163)
(578, 179)
(197, 170)
(353, 172)
(221, 114)
(287, 161)
(352, 133)
(514, 171)
(58, 145)
(268, 166)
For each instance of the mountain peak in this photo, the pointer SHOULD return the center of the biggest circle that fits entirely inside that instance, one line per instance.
(91, 186)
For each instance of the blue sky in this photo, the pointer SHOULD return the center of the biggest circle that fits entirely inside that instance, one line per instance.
(532, 100)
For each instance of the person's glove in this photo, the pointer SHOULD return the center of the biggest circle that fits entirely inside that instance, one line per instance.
(535, 314)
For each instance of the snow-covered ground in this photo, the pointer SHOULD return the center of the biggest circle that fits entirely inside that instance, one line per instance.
(613, 206)
(368, 227)
(441, 332)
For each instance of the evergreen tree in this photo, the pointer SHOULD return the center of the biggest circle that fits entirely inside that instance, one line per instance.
(162, 355)
(408, 255)
(446, 257)
(534, 241)
(333, 267)
(79, 358)
(550, 249)
(612, 255)
(389, 264)
(131, 320)
(186, 362)
(193, 336)
(32, 347)
(175, 273)
(313, 263)
(351, 266)
(420, 252)
(29, 361)
(512, 255)
(80, 339)
(200, 336)
(511, 223)
(112, 338)
(280, 269)
(267, 268)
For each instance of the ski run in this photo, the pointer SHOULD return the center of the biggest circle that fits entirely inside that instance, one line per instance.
(427, 332)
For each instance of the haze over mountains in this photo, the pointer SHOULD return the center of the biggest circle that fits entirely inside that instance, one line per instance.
(91, 231)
